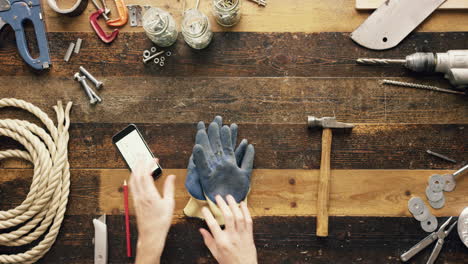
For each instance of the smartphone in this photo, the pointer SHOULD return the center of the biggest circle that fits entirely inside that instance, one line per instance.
(133, 147)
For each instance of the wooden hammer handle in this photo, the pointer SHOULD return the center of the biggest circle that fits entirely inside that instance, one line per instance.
(324, 184)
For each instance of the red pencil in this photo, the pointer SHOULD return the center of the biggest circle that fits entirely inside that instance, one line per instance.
(127, 220)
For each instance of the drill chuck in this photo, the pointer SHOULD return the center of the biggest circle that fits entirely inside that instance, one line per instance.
(421, 62)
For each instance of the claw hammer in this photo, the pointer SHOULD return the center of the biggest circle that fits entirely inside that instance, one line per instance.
(327, 123)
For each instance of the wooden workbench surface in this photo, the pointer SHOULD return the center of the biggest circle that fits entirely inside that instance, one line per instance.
(281, 63)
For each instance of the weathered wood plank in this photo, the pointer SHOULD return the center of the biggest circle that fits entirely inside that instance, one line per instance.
(274, 192)
(278, 240)
(282, 100)
(278, 16)
(285, 146)
(230, 54)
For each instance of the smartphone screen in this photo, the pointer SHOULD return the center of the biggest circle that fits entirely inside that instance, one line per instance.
(133, 147)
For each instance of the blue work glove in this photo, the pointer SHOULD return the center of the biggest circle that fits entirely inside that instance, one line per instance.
(217, 166)
(192, 182)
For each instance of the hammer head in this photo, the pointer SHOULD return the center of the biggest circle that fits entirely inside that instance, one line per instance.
(326, 122)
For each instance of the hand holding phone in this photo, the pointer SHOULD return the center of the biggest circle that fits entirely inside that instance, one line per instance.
(133, 147)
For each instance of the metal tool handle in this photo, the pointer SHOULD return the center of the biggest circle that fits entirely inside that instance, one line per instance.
(17, 15)
(418, 247)
(460, 171)
(435, 251)
(100, 242)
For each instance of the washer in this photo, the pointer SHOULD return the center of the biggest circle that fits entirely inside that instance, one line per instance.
(430, 225)
(433, 196)
(463, 226)
(450, 182)
(436, 182)
(161, 63)
(168, 53)
(416, 206)
(153, 49)
(424, 216)
(156, 60)
(438, 204)
(146, 53)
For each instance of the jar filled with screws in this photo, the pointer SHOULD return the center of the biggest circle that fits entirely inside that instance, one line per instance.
(160, 27)
(227, 12)
(196, 29)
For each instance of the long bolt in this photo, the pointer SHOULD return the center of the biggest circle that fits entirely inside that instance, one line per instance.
(421, 86)
(145, 60)
(91, 77)
(87, 89)
(430, 152)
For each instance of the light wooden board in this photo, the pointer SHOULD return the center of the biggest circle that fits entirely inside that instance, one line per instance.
(294, 192)
(277, 16)
(373, 4)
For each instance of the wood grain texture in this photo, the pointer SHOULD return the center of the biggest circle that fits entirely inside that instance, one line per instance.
(323, 190)
(294, 192)
(262, 100)
(274, 192)
(277, 16)
(231, 54)
(278, 146)
(373, 4)
(365, 240)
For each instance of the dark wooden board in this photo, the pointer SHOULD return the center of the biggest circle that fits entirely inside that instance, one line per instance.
(278, 240)
(286, 146)
(282, 100)
(230, 54)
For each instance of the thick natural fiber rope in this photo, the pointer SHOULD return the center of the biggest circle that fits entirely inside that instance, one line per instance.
(44, 207)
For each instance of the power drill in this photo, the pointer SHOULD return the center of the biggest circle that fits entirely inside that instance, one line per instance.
(454, 64)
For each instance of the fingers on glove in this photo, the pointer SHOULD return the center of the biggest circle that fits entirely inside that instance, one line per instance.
(227, 214)
(218, 120)
(209, 241)
(202, 139)
(234, 130)
(211, 222)
(247, 162)
(240, 151)
(215, 139)
(247, 216)
(236, 212)
(227, 143)
(169, 187)
(199, 159)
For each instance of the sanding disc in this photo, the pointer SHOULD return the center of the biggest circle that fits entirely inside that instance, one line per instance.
(438, 204)
(463, 226)
(436, 182)
(424, 216)
(433, 196)
(430, 225)
(450, 182)
(416, 206)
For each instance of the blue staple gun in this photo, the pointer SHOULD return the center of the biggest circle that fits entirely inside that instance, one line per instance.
(15, 13)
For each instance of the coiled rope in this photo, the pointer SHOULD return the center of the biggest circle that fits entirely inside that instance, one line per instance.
(44, 207)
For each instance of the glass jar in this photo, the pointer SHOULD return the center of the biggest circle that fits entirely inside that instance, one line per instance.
(160, 27)
(196, 29)
(227, 12)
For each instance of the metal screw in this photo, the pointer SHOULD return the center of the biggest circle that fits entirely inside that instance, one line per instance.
(145, 60)
(91, 77)
(430, 152)
(84, 84)
(421, 86)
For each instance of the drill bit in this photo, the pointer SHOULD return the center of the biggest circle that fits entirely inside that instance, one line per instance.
(421, 86)
(369, 61)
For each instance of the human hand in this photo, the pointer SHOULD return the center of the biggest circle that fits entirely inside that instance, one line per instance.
(153, 212)
(234, 244)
